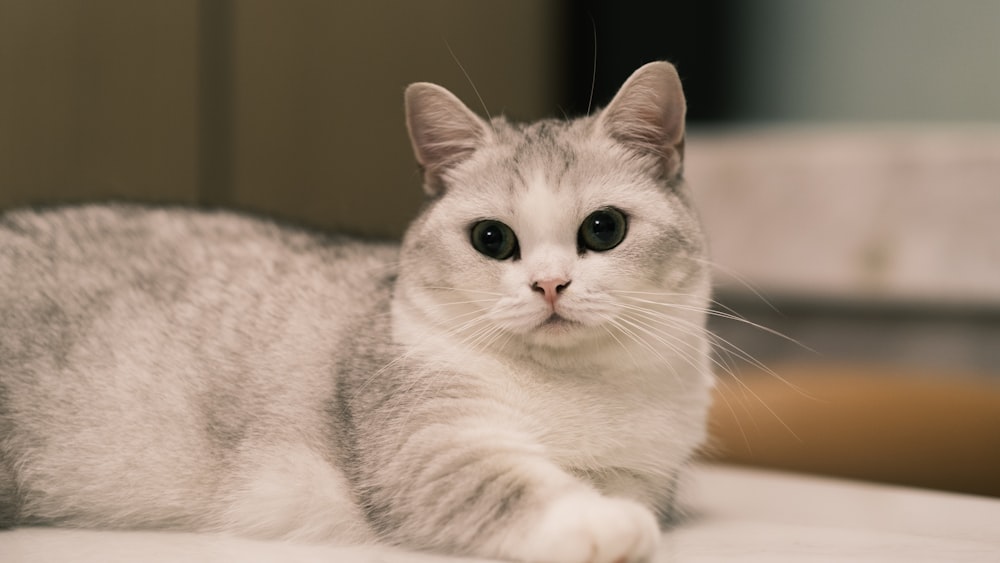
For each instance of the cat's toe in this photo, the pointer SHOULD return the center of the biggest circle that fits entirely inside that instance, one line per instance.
(588, 528)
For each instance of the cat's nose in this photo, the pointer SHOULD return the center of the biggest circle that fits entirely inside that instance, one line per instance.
(550, 289)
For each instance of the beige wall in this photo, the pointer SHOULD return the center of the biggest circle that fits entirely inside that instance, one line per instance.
(97, 100)
(292, 108)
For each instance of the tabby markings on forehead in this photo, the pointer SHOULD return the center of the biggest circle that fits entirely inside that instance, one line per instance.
(550, 163)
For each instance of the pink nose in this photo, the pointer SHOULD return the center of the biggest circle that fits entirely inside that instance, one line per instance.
(550, 289)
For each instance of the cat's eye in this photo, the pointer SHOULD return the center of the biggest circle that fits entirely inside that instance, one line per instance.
(602, 230)
(494, 239)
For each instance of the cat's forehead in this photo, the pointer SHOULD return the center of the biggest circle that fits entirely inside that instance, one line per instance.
(548, 171)
(564, 157)
(521, 153)
(547, 141)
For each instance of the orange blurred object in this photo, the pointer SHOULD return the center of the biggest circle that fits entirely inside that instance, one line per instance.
(939, 431)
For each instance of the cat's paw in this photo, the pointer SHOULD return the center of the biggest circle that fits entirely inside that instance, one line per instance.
(585, 527)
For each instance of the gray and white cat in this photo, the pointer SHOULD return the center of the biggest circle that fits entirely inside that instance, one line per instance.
(525, 377)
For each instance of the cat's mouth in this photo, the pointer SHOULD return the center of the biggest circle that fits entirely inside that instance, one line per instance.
(557, 321)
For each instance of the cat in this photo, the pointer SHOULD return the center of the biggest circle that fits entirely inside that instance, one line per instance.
(525, 377)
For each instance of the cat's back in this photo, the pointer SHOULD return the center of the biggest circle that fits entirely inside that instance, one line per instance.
(96, 245)
(200, 271)
(218, 280)
(176, 333)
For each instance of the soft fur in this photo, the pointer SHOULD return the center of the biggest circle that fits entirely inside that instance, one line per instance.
(196, 370)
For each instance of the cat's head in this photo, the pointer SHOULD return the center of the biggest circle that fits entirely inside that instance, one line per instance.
(555, 233)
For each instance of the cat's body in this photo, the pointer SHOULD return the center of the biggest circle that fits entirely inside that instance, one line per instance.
(524, 377)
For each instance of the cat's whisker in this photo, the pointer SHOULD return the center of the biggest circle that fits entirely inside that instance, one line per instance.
(702, 333)
(621, 344)
(489, 118)
(713, 302)
(723, 315)
(725, 367)
(659, 293)
(503, 345)
(766, 406)
(738, 277)
(593, 76)
(482, 337)
(667, 339)
(690, 358)
(648, 347)
(719, 342)
(621, 321)
(637, 315)
(732, 411)
(725, 346)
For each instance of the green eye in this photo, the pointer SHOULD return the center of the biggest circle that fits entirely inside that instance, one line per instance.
(602, 230)
(494, 239)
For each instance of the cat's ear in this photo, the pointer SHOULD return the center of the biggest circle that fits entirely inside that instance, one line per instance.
(443, 131)
(647, 114)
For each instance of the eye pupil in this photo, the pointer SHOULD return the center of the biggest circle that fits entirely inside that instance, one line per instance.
(494, 239)
(603, 227)
(602, 230)
(492, 236)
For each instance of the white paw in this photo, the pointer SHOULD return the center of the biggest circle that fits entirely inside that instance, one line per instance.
(585, 527)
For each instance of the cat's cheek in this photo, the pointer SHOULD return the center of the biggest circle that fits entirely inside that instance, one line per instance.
(586, 527)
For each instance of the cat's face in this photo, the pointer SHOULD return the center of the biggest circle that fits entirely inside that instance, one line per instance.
(556, 233)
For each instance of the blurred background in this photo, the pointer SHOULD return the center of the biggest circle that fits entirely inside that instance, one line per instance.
(845, 155)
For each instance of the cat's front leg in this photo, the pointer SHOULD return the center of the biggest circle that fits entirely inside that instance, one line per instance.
(484, 492)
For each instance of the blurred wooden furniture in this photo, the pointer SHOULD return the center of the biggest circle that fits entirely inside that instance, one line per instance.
(880, 424)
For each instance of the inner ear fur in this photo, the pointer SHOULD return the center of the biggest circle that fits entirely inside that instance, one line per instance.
(647, 114)
(443, 131)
